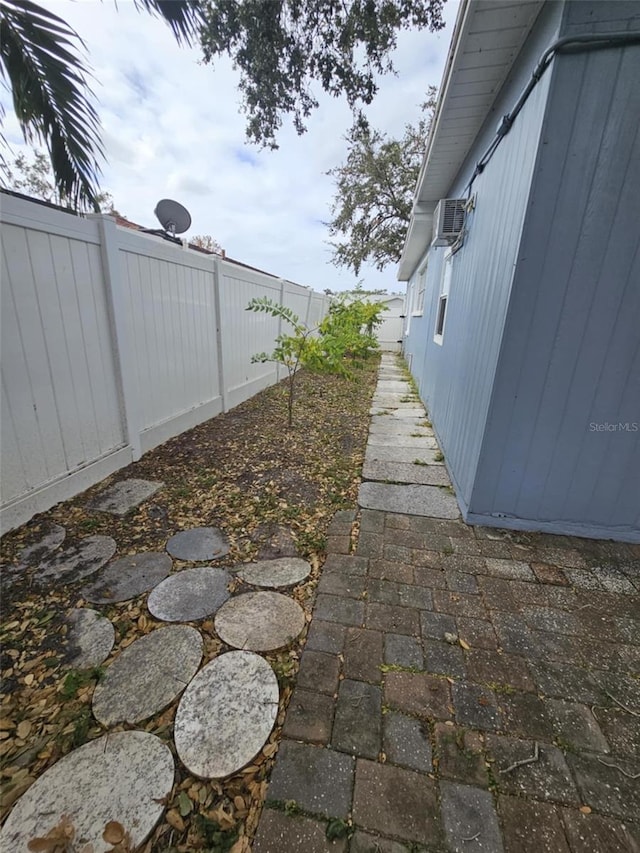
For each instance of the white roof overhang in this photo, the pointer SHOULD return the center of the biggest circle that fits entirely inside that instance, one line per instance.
(487, 37)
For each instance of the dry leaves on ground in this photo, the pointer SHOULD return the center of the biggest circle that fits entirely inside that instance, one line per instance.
(272, 491)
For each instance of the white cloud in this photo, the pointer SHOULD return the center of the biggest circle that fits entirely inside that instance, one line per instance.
(173, 127)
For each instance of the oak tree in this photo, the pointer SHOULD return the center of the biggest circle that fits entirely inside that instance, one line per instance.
(374, 190)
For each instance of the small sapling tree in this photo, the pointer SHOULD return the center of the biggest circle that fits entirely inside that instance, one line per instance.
(343, 337)
(290, 349)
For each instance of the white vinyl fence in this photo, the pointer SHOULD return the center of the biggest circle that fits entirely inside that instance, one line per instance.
(112, 341)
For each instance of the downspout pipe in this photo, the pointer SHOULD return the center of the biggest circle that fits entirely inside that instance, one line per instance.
(566, 44)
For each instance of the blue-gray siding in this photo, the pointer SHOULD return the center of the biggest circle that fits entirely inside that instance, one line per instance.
(571, 355)
(456, 379)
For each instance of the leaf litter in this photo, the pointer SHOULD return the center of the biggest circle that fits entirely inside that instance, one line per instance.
(272, 491)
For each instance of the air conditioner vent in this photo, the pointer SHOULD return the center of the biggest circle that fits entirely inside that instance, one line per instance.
(448, 221)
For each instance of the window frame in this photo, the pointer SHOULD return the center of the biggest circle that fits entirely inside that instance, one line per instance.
(421, 288)
(443, 298)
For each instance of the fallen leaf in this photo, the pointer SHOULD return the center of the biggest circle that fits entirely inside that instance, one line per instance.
(113, 832)
(464, 644)
(184, 804)
(585, 809)
(173, 819)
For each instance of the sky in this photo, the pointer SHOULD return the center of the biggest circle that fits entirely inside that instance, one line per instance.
(172, 128)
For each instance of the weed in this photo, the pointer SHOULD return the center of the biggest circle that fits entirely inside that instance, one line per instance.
(438, 456)
(338, 829)
(217, 840)
(311, 542)
(505, 689)
(396, 667)
(78, 678)
(285, 670)
(565, 745)
(81, 727)
(447, 550)
(291, 808)
(420, 462)
(89, 524)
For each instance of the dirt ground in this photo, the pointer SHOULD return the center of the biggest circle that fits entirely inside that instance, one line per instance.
(273, 492)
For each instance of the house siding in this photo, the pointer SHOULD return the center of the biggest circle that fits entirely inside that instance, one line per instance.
(570, 356)
(455, 379)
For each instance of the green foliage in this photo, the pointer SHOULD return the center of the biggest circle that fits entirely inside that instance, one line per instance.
(78, 678)
(217, 840)
(42, 65)
(281, 48)
(374, 192)
(337, 828)
(289, 350)
(340, 342)
(346, 333)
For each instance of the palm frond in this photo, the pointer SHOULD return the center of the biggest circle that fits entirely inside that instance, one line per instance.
(183, 16)
(51, 97)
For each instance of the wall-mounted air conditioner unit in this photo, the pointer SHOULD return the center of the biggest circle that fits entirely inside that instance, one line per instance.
(448, 221)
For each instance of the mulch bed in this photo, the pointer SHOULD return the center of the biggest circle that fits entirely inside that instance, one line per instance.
(273, 492)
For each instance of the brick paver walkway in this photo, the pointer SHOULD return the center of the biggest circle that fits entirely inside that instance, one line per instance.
(463, 689)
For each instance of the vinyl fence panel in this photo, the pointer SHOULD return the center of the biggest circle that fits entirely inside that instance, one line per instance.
(112, 342)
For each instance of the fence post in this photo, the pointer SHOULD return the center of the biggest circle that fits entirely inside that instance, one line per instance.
(279, 368)
(308, 314)
(220, 350)
(122, 351)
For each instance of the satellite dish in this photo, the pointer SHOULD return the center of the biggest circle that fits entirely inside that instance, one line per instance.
(173, 217)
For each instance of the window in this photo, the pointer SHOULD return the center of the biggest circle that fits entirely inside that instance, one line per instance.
(422, 283)
(441, 316)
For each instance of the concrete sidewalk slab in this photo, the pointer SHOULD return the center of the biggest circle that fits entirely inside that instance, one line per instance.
(429, 501)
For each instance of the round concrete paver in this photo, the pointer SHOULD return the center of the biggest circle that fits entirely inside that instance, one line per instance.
(198, 545)
(50, 539)
(128, 577)
(77, 562)
(148, 675)
(287, 571)
(226, 715)
(189, 595)
(121, 777)
(89, 640)
(260, 621)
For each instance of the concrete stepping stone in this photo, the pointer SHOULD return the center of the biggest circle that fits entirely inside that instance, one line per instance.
(429, 501)
(128, 578)
(148, 675)
(77, 562)
(413, 428)
(406, 472)
(123, 777)
(226, 715)
(46, 540)
(189, 595)
(198, 544)
(390, 439)
(89, 640)
(407, 455)
(287, 571)
(122, 497)
(260, 621)
(49, 540)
